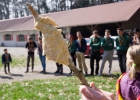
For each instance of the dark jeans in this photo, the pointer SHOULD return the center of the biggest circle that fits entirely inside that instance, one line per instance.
(122, 60)
(8, 65)
(59, 67)
(95, 55)
(73, 56)
(28, 61)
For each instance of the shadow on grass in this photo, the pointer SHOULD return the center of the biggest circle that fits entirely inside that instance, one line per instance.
(6, 77)
(116, 75)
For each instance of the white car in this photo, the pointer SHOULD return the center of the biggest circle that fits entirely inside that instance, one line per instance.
(114, 38)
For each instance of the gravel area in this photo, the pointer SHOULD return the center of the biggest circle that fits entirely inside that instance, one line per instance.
(18, 73)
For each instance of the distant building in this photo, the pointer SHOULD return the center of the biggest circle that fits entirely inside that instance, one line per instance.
(15, 32)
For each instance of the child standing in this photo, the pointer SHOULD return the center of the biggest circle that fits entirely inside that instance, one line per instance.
(6, 59)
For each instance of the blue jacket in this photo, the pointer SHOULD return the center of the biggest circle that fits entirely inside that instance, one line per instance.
(4, 58)
(83, 45)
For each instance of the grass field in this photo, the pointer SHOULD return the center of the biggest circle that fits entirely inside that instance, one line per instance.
(19, 61)
(53, 89)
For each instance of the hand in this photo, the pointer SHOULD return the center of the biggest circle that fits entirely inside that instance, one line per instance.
(32, 50)
(94, 93)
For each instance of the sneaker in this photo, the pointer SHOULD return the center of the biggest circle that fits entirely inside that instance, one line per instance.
(56, 71)
(44, 72)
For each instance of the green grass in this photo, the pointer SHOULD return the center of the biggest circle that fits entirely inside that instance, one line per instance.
(19, 61)
(66, 88)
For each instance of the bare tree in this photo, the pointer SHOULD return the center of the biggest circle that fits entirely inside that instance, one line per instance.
(4, 9)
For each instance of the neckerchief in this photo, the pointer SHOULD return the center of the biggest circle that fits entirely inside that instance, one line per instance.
(120, 39)
(107, 40)
(95, 40)
(118, 88)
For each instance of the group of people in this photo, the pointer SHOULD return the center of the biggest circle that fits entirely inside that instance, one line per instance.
(123, 41)
(78, 48)
(128, 52)
(128, 84)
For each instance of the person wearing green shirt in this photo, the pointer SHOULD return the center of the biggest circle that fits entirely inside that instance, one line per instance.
(72, 50)
(95, 42)
(108, 44)
(122, 45)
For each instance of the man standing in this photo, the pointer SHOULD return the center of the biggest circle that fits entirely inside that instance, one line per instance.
(80, 50)
(41, 56)
(95, 43)
(108, 44)
(122, 44)
(31, 46)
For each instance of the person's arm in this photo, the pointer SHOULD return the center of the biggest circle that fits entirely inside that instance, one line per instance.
(2, 58)
(35, 46)
(112, 43)
(73, 47)
(93, 93)
(103, 44)
(97, 44)
(76, 46)
(26, 46)
(90, 42)
(85, 45)
(10, 58)
(38, 47)
(116, 40)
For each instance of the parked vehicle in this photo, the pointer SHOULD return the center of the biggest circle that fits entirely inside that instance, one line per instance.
(87, 53)
(115, 51)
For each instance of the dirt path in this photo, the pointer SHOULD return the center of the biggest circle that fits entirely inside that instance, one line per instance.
(18, 74)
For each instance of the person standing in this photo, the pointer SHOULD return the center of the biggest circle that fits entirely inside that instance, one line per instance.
(122, 45)
(136, 37)
(95, 43)
(59, 68)
(31, 46)
(6, 59)
(41, 56)
(108, 44)
(80, 50)
(72, 50)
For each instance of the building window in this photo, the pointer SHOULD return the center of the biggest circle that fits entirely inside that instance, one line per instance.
(21, 38)
(7, 37)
